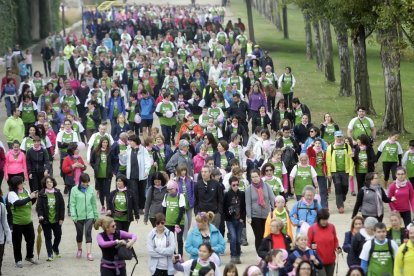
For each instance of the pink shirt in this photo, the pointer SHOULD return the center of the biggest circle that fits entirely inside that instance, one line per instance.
(404, 197)
(13, 166)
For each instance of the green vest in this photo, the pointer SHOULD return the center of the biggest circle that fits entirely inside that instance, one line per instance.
(71, 101)
(28, 113)
(67, 138)
(390, 153)
(173, 209)
(340, 153)
(103, 165)
(303, 177)
(328, 135)
(319, 164)
(358, 128)
(22, 215)
(164, 120)
(39, 87)
(362, 157)
(275, 184)
(121, 207)
(410, 165)
(381, 261)
(286, 84)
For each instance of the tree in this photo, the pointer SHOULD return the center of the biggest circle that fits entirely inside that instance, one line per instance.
(276, 15)
(308, 33)
(345, 87)
(250, 19)
(285, 20)
(328, 51)
(316, 31)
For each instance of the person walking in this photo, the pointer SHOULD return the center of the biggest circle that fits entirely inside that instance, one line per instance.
(5, 233)
(84, 212)
(155, 196)
(50, 210)
(287, 83)
(109, 240)
(403, 264)
(364, 159)
(38, 164)
(21, 202)
(14, 127)
(15, 163)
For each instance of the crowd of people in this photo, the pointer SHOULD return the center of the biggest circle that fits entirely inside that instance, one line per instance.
(233, 146)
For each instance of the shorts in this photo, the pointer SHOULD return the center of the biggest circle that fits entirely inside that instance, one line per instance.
(147, 122)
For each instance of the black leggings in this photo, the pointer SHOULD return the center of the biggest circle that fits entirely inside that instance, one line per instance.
(360, 180)
(159, 272)
(258, 226)
(112, 271)
(122, 225)
(387, 167)
(179, 236)
(35, 181)
(406, 216)
(84, 226)
(26, 231)
(103, 186)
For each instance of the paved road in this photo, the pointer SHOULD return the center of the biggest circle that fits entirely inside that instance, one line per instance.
(69, 265)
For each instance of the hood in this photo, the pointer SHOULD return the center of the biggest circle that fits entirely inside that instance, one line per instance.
(154, 231)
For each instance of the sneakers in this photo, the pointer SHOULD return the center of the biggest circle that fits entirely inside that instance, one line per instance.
(49, 259)
(103, 210)
(235, 260)
(244, 243)
(56, 255)
(89, 257)
(31, 260)
(79, 254)
(19, 264)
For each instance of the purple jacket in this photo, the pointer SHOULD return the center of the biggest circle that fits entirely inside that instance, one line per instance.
(256, 100)
(189, 188)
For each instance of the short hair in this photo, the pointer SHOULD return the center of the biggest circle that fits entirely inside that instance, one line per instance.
(46, 178)
(71, 148)
(134, 138)
(160, 176)
(323, 214)
(370, 222)
(233, 179)
(362, 108)
(84, 178)
(380, 225)
(234, 162)
(224, 144)
(15, 181)
(159, 217)
(233, 136)
(148, 141)
(308, 188)
(208, 158)
(296, 100)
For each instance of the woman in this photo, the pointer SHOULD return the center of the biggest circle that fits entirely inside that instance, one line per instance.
(121, 204)
(402, 194)
(314, 133)
(50, 210)
(223, 156)
(262, 119)
(21, 202)
(161, 247)
(364, 159)
(328, 127)
(303, 174)
(121, 126)
(234, 210)
(191, 127)
(115, 106)
(10, 94)
(52, 117)
(205, 232)
(64, 139)
(27, 141)
(210, 142)
(273, 181)
(252, 270)
(181, 157)
(370, 198)
(236, 128)
(264, 146)
(301, 249)
(286, 83)
(317, 159)
(102, 167)
(305, 269)
(155, 196)
(322, 238)
(256, 100)
(108, 241)
(205, 254)
(280, 113)
(275, 240)
(355, 271)
(164, 151)
(15, 163)
(358, 240)
(186, 187)
(356, 225)
(259, 202)
(38, 165)
(237, 149)
(82, 204)
(72, 168)
(5, 233)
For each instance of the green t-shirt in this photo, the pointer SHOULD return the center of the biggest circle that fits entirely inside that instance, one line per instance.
(116, 109)
(164, 107)
(121, 206)
(278, 169)
(381, 262)
(67, 138)
(51, 204)
(303, 177)
(122, 168)
(396, 236)
(287, 142)
(275, 184)
(214, 112)
(390, 153)
(131, 113)
(286, 84)
(173, 210)
(28, 113)
(22, 215)
(358, 128)
(197, 269)
(362, 165)
(410, 165)
(340, 152)
(223, 161)
(298, 116)
(242, 185)
(71, 101)
(328, 135)
(39, 87)
(29, 143)
(90, 123)
(319, 164)
(103, 165)
(135, 83)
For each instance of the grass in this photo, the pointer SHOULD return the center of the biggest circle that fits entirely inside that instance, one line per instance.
(311, 87)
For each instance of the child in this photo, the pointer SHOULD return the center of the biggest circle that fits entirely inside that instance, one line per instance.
(203, 119)
(252, 163)
(396, 232)
(51, 134)
(216, 112)
(276, 260)
(120, 127)
(408, 162)
(213, 129)
(174, 206)
(186, 187)
(230, 270)
(282, 213)
(280, 168)
(199, 160)
(392, 153)
(181, 110)
(76, 125)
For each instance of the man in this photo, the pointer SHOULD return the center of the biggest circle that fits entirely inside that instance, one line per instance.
(377, 255)
(47, 55)
(361, 125)
(61, 66)
(240, 109)
(404, 261)
(208, 196)
(96, 138)
(137, 169)
(14, 128)
(339, 164)
(266, 60)
(299, 109)
(166, 111)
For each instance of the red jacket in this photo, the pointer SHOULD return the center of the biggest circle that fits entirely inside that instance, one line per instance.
(67, 165)
(325, 240)
(312, 159)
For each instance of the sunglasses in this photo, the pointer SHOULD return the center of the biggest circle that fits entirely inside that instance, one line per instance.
(311, 131)
(160, 222)
(235, 185)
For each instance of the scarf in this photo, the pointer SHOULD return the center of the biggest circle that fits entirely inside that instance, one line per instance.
(148, 148)
(260, 194)
(68, 131)
(400, 184)
(50, 191)
(234, 125)
(183, 152)
(233, 145)
(122, 189)
(317, 150)
(38, 148)
(268, 177)
(362, 147)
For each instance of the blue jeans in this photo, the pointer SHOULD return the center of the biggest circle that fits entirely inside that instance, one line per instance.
(235, 228)
(168, 133)
(9, 106)
(323, 191)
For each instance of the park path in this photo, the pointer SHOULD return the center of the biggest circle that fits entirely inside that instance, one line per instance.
(68, 265)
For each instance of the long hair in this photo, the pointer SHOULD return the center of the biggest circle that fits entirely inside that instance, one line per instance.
(98, 149)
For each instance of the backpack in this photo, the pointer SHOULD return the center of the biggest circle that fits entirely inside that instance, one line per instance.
(346, 148)
(314, 208)
(371, 250)
(289, 157)
(194, 264)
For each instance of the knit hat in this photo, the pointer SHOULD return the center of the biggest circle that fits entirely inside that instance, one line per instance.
(183, 143)
(172, 185)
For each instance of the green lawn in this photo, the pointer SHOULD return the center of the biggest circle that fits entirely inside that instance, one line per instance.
(311, 86)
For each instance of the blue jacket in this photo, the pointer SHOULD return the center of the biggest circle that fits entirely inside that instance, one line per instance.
(121, 106)
(194, 240)
(309, 141)
(168, 152)
(299, 253)
(300, 213)
(117, 129)
(347, 246)
(147, 108)
(217, 159)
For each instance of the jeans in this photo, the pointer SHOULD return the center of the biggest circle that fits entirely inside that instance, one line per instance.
(26, 231)
(235, 228)
(35, 181)
(406, 217)
(188, 219)
(138, 187)
(57, 232)
(323, 191)
(47, 64)
(340, 180)
(9, 106)
(168, 132)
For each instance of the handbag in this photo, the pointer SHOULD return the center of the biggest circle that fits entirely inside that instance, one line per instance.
(124, 253)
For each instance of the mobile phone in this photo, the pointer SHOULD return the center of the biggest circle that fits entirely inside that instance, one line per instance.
(177, 257)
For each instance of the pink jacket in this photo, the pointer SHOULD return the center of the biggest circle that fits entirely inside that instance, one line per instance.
(199, 162)
(13, 166)
(404, 197)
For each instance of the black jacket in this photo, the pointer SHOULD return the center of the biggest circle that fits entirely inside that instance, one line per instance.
(280, 144)
(132, 206)
(322, 128)
(275, 124)
(371, 158)
(208, 197)
(232, 201)
(250, 165)
(240, 130)
(305, 110)
(96, 160)
(301, 132)
(37, 161)
(96, 117)
(240, 110)
(256, 121)
(267, 245)
(42, 206)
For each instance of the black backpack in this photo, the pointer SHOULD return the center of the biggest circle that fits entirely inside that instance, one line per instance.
(212, 265)
(289, 158)
(371, 250)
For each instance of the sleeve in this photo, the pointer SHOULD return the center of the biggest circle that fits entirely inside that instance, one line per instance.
(104, 244)
(394, 247)
(351, 123)
(346, 246)
(293, 214)
(248, 203)
(313, 172)
(358, 203)
(398, 261)
(293, 172)
(381, 146)
(404, 160)
(400, 150)
(364, 256)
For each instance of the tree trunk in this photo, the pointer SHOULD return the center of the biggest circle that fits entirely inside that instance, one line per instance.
(308, 33)
(250, 19)
(318, 44)
(361, 77)
(285, 22)
(390, 58)
(344, 61)
(276, 15)
(328, 51)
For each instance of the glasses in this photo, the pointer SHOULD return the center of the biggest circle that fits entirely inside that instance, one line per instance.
(113, 226)
(235, 185)
(160, 222)
(268, 170)
(311, 131)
